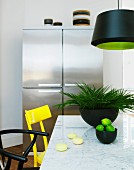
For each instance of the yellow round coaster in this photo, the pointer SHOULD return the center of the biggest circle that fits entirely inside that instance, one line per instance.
(61, 147)
(71, 135)
(77, 141)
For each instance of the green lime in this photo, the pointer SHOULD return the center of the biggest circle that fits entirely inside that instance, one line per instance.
(110, 128)
(106, 121)
(100, 128)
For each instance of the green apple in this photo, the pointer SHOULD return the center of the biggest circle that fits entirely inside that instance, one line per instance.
(106, 121)
(100, 128)
(110, 128)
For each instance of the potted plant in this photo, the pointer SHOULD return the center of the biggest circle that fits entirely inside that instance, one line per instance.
(98, 103)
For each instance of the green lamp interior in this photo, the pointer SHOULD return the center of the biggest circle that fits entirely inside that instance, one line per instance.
(116, 45)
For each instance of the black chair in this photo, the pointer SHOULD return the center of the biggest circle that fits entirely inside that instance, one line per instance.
(6, 157)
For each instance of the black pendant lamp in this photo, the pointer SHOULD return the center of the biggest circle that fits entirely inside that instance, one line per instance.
(114, 30)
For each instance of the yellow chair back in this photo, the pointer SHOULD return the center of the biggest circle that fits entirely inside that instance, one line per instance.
(33, 116)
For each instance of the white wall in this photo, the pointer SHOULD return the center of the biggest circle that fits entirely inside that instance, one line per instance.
(128, 4)
(113, 68)
(0, 62)
(128, 69)
(128, 56)
(59, 10)
(11, 37)
(15, 15)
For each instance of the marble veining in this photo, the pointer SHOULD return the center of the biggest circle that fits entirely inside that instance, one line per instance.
(92, 154)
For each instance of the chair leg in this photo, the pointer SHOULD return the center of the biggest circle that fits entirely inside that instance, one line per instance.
(1, 165)
(20, 165)
(8, 164)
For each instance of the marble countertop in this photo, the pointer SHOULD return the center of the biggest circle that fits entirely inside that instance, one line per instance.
(91, 154)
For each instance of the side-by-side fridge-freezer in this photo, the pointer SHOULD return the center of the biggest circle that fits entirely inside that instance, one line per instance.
(53, 61)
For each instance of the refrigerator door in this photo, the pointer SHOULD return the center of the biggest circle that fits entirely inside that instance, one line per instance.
(33, 98)
(42, 58)
(82, 61)
(71, 110)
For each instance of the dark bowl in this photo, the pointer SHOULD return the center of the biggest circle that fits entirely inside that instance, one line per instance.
(94, 116)
(106, 137)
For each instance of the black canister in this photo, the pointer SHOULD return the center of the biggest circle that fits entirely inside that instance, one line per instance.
(81, 12)
(81, 22)
(57, 23)
(48, 21)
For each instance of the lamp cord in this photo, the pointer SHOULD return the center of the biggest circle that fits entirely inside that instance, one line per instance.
(118, 3)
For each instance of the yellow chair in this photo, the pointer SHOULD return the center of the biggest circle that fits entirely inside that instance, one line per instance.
(33, 116)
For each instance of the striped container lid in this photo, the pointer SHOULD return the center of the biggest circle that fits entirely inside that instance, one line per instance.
(79, 12)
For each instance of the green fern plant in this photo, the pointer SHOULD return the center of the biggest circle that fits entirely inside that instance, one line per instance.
(99, 98)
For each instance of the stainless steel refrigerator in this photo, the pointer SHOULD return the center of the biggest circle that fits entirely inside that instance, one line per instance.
(53, 61)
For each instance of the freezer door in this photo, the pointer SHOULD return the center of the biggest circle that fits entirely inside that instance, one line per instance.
(42, 58)
(82, 62)
(33, 98)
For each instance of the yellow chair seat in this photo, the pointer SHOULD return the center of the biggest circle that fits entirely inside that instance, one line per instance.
(40, 157)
